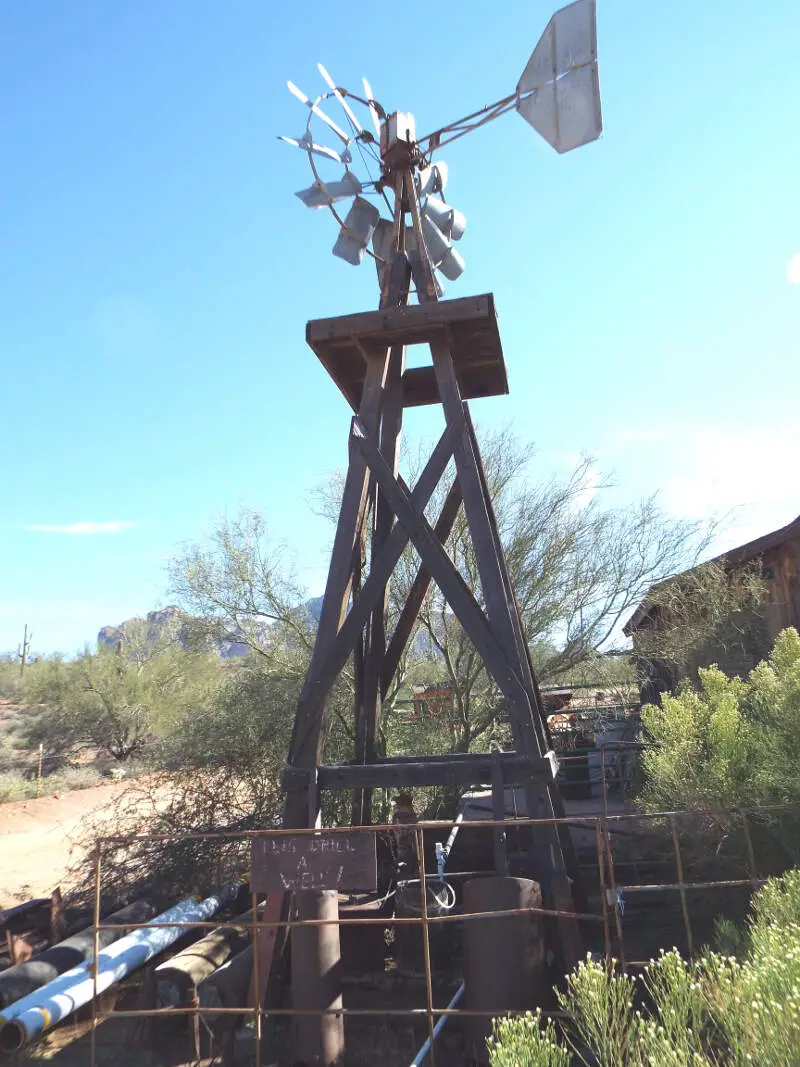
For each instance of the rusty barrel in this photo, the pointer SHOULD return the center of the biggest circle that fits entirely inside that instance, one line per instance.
(317, 1040)
(504, 958)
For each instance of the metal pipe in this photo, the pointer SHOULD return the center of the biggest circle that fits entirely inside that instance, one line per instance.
(178, 977)
(42, 1009)
(423, 1052)
(17, 982)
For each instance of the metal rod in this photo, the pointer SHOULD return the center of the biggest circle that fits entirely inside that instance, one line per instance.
(603, 901)
(436, 824)
(139, 1013)
(466, 118)
(426, 945)
(390, 920)
(256, 976)
(615, 896)
(420, 1056)
(729, 884)
(95, 952)
(681, 887)
(751, 856)
(604, 784)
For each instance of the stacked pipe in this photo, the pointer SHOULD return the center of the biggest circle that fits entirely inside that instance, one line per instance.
(43, 1008)
(17, 982)
(178, 979)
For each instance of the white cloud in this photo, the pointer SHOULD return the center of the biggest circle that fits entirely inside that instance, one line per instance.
(702, 471)
(82, 528)
(722, 469)
(793, 269)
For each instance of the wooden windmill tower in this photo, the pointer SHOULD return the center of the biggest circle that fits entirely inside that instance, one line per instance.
(365, 354)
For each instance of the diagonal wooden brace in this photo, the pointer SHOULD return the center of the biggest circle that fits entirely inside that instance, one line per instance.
(318, 683)
(418, 590)
(443, 571)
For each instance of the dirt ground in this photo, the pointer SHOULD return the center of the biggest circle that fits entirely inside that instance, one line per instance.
(38, 839)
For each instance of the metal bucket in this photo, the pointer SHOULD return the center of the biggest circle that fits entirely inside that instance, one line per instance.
(409, 951)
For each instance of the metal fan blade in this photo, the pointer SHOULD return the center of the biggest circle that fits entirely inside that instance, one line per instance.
(345, 106)
(301, 96)
(357, 231)
(322, 194)
(310, 146)
(376, 121)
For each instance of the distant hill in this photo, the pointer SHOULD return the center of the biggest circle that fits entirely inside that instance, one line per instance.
(173, 624)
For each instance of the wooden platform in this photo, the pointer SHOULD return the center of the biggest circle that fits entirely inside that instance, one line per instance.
(468, 325)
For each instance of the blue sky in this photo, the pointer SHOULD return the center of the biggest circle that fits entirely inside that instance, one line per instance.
(157, 271)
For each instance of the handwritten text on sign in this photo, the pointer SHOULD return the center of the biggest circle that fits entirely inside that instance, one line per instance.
(314, 861)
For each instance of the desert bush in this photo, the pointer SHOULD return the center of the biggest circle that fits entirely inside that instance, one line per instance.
(114, 702)
(16, 786)
(715, 1011)
(732, 744)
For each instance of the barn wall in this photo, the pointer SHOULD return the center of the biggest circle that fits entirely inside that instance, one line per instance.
(781, 567)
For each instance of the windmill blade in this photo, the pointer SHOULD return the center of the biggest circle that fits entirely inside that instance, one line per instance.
(307, 145)
(322, 194)
(357, 231)
(301, 96)
(442, 254)
(346, 107)
(434, 179)
(451, 222)
(376, 121)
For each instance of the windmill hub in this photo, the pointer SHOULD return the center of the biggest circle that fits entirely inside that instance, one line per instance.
(399, 148)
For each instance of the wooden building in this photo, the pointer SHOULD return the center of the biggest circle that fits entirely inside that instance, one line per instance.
(779, 557)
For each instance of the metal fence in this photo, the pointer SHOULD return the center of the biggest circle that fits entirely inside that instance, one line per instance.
(606, 917)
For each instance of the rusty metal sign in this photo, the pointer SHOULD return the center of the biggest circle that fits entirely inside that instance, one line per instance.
(346, 862)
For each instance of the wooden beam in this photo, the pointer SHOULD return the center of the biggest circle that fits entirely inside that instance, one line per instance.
(470, 770)
(444, 573)
(369, 711)
(320, 682)
(419, 588)
(413, 324)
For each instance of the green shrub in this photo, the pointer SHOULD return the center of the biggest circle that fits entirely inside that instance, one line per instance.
(15, 786)
(716, 1011)
(733, 744)
(526, 1042)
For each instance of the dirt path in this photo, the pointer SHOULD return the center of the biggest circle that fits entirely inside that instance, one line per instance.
(38, 839)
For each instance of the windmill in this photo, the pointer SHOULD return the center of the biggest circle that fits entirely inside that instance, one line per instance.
(386, 188)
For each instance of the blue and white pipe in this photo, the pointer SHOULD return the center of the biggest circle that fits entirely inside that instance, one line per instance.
(29, 1017)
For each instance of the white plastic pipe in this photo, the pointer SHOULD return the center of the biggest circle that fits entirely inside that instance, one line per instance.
(25, 1019)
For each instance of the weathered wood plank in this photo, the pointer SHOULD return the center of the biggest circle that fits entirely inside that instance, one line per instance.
(444, 573)
(412, 324)
(472, 770)
(380, 572)
(314, 862)
(369, 710)
(418, 590)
